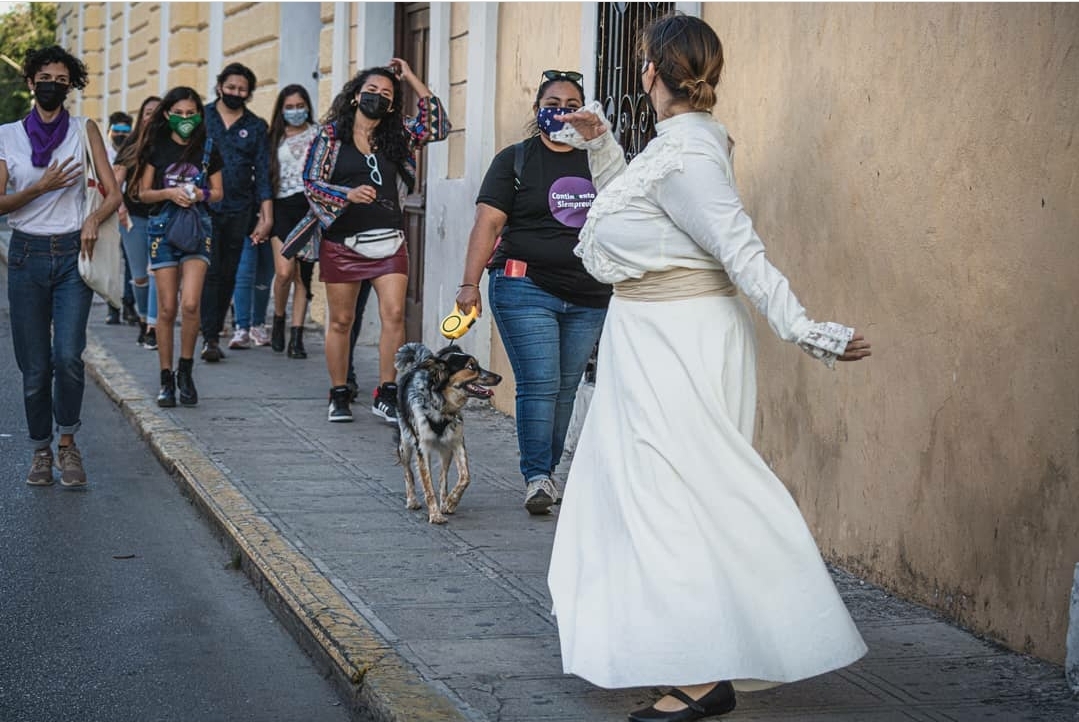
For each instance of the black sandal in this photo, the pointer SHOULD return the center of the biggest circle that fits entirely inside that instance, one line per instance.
(718, 700)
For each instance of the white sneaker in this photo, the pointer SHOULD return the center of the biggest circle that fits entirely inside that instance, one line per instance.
(539, 496)
(240, 339)
(259, 336)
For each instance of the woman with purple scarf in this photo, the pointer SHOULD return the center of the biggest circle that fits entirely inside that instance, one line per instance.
(42, 157)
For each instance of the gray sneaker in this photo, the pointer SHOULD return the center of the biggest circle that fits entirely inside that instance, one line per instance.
(69, 460)
(539, 496)
(41, 468)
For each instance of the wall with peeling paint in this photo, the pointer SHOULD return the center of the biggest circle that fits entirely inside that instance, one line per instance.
(913, 169)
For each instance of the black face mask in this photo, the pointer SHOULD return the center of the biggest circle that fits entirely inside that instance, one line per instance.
(50, 95)
(118, 140)
(373, 105)
(233, 102)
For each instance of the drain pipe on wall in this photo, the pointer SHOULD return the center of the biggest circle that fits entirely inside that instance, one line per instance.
(1071, 661)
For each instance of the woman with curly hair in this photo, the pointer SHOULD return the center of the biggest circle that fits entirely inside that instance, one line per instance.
(355, 175)
(42, 156)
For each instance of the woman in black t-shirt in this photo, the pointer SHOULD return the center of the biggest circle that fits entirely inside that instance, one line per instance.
(171, 156)
(354, 177)
(548, 310)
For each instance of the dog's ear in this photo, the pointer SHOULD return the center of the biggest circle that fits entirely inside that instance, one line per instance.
(436, 371)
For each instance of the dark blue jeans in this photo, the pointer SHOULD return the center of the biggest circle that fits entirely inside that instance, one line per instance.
(548, 342)
(50, 305)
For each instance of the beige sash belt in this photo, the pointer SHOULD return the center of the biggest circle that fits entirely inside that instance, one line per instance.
(676, 284)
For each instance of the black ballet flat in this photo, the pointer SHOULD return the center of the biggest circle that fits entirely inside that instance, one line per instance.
(719, 700)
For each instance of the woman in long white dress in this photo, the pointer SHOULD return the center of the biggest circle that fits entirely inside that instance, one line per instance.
(680, 559)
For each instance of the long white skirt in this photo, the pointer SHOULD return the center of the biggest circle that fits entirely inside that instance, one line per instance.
(679, 557)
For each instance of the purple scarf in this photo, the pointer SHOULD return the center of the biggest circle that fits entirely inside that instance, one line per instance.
(45, 137)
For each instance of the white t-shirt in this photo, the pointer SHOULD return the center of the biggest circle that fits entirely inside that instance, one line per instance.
(56, 212)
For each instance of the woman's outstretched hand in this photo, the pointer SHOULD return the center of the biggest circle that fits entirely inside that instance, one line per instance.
(585, 122)
(857, 349)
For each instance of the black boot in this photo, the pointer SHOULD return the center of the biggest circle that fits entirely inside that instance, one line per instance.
(166, 398)
(277, 335)
(295, 343)
(189, 396)
(130, 315)
(142, 334)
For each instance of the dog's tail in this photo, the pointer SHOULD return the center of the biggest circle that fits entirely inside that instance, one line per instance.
(409, 355)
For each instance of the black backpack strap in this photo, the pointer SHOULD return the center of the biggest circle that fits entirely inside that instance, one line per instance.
(518, 164)
(205, 165)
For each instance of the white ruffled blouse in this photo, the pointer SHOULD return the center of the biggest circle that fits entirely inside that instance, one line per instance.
(676, 206)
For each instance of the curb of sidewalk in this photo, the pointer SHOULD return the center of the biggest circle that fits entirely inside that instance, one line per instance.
(375, 681)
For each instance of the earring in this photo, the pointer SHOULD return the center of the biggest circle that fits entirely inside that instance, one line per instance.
(353, 102)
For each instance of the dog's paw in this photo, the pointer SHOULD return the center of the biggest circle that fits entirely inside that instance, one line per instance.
(437, 518)
(448, 507)
(412, 504)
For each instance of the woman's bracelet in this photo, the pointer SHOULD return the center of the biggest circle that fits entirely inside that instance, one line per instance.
(206, 194)
(469, 285)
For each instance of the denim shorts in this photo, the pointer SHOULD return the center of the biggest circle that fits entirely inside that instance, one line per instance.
(165, 255)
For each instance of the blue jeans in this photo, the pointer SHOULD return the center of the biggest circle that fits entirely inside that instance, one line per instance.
(548, 342)
(137, 252)
(50, 305)
(254, 281)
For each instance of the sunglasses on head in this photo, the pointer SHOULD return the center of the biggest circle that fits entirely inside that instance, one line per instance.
(571, 75)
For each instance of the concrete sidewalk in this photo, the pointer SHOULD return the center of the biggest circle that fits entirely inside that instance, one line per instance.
(419, 622)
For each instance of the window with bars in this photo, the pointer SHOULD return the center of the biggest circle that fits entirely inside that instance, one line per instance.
(618, 77)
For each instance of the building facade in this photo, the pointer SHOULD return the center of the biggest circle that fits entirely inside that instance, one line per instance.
(912, 168)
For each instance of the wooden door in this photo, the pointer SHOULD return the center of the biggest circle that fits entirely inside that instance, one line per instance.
(412, 42)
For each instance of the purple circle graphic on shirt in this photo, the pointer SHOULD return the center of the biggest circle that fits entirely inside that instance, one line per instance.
(570, 198)
(176, 174)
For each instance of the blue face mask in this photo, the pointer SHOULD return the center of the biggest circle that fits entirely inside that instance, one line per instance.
(545, 118)
(295, 116)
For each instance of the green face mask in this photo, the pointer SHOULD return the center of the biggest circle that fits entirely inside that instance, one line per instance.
(182, 126)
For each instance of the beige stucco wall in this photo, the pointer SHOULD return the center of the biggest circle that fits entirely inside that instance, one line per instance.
(913, 169)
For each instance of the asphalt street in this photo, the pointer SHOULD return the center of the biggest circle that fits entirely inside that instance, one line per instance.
(117, 603)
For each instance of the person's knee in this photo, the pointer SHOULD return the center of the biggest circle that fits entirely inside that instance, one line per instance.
(143, 282)
(190, 308)
(391, 313)
(166, 311)
(67, 362)
(340, 323)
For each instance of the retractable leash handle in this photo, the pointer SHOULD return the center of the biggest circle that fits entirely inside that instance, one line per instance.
(457, 324)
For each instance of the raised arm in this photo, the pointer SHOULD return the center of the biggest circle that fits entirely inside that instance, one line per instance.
(589, 130)
(431, 122)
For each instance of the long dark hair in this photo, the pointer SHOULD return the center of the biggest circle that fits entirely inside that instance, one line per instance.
(158, 131)
(128, 151)
(277, 128)
(391, 138)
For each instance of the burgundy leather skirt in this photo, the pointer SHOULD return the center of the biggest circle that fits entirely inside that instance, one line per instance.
(340, 264)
